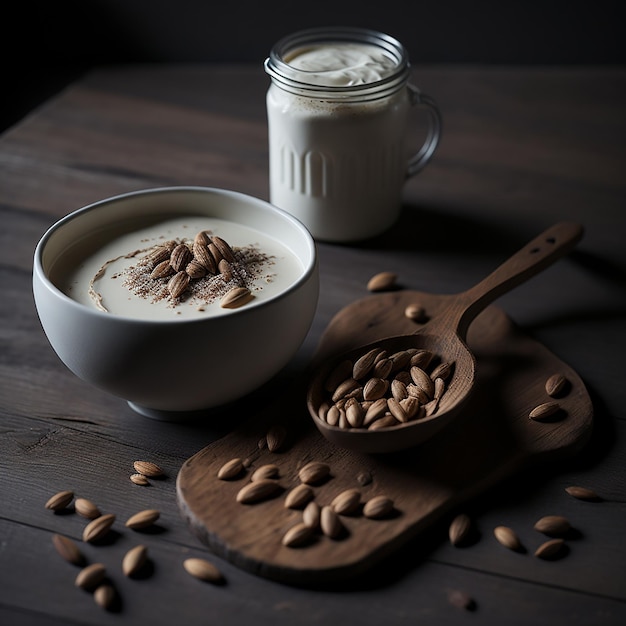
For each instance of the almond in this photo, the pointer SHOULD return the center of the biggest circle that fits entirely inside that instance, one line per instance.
(195, 269)
(583, 493)
(98, 528)
(87, 508)
(347, 502)
(225, 250)
(396, 409)
(68, 549)
(180, 257)
(162, 270)
(203, 570)
(265, 471)
(143, 519)
(544, 411)
(415, 312)
(364, 364)
(330, 523)
(147, 468)
(375, 388)
(311, 514)
(104, 596)
(202, 238)
(257, 491)
(139, 479)
(553, 525)
(382, 368)
(314, 472)
(344, 388)
(378, 507)
(178, 283)
(384, 422)
(459, 529)
(134, 560)
(550, 549)
(276, 437)
(421, 358)
(507, 537)
(226, 270)
(422, 381)
(215, 253)
(91, 576)
(60, 500)
(299, 496)
(202, 255)
(443, 371)
(236, 297)
(556, 385)
(383, 281)
(298, 535)
(376, 410)
(157, 255)
(231, 469)
(354, 413)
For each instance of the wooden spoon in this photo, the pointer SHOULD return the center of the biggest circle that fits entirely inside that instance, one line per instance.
(445, 336)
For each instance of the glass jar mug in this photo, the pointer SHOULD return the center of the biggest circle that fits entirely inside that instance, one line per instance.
(338, 110)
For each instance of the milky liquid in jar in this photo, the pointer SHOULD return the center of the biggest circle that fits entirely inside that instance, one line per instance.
(95, 273)
(338, 119)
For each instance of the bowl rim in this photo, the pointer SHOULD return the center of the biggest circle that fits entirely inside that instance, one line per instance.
(39, 274)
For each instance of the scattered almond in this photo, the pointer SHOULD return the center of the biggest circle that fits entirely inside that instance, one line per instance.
(311, 514)
(330, 523)
(104, 596)
(299, 496)
(553, 525)
(86, 508)
(298, 535)
(550, 549)
(459, 529)
(415, 312)
(68, 549)
(91, 576)
(98, 528)
(143, 519)
(60, 500)
(265, 471)
(139, 479)
(147, 468)
(556, 385)
(134, 560)
(347, 502)
(231, 469)
(257, 491)
(314, 472)
(583, 493)
(276, 437)
(383, 281)
(544, 411)
(378, 507)
(507, 537)
(203, 570)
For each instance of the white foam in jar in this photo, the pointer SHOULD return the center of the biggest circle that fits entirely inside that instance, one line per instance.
(338, 114)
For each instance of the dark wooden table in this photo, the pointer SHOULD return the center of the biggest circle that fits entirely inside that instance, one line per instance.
(522, 148)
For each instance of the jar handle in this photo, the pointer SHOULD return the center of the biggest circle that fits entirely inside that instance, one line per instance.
(419, 160)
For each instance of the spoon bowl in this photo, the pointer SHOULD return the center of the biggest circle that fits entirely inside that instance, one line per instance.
(444, 338)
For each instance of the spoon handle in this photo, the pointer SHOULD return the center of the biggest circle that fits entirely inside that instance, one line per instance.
(535, 256)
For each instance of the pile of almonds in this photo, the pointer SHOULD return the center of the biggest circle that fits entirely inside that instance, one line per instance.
(380, 390)
(179, 263)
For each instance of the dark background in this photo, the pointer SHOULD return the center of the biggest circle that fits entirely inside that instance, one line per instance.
(47, 44)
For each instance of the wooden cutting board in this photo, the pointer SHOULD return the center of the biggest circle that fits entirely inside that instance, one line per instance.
(493, 439)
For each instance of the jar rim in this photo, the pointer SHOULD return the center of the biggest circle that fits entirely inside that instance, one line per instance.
(281, 72)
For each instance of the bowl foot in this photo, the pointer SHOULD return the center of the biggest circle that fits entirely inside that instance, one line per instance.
(166, 416)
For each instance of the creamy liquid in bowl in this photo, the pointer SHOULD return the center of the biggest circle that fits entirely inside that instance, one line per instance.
(104, 271)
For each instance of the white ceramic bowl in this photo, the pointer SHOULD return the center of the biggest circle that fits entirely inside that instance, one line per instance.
(167, 367)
